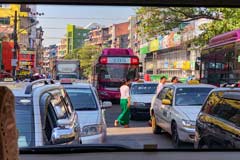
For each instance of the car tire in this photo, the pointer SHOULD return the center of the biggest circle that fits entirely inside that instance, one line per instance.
(175, 138)
(155, 128)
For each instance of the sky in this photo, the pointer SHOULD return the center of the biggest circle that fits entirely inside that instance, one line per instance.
(56, 18)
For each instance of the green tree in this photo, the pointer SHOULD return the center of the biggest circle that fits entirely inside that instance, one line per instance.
(159, 21)
(87, 55)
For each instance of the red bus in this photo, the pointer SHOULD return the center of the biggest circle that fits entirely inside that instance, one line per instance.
(220, 61)
(113, 66)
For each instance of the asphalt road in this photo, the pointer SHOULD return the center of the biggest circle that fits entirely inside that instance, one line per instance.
(138, 135)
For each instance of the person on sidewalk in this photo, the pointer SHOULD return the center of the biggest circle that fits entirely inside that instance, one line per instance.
(161, 84)
(123, 118)
(175, 80)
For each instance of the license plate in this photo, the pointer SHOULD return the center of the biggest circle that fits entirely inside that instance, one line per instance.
(118, 60)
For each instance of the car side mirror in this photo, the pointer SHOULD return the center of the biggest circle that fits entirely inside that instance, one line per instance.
(106, 105)
(62, 135)
(59, 112)
(166, 102)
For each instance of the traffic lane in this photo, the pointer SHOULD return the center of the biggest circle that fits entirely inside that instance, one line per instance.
(138, 135)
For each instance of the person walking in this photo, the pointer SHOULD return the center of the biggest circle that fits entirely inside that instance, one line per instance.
(161, 84)
(175, 80)
(123, 118)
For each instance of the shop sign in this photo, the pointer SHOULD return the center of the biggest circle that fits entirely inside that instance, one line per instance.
(175, 64)
(165, 65)
(186, 65)
(154, 45)
(192, 65)
(179, 64)
(24, 63)
(144, 48)
(149, 66)
(171, 40)
(26, 52)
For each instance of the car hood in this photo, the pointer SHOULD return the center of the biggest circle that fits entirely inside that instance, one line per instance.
(190, 112)
(88, 117)
(144, 98)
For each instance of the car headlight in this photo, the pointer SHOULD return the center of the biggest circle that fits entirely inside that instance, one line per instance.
(91, 130)
(188, 123)
(138, 104)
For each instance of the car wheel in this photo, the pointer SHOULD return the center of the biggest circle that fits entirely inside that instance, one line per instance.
(155, 128)
(175, 138)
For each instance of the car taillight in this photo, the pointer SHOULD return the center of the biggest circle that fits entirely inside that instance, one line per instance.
(103, 60)
(134, 60)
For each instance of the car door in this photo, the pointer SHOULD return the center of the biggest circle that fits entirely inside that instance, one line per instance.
(158, 107)
(166, 110)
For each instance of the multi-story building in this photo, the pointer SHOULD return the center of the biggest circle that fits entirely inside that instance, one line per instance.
(99, 37)
(26, 32)
(39, 49)
(119, 35)
(62, 48)
(75, 37)
(49, 58)
(133, 37)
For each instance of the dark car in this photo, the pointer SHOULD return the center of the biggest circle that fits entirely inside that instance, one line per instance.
(218, 123)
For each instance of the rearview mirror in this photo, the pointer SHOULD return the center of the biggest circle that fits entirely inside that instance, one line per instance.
(106, 105)
(63, 135)
(166, 102)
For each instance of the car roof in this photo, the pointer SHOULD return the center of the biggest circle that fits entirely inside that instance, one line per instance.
(185, 85)
(226, 89)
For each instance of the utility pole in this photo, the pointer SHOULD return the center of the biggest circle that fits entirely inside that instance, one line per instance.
(15, 39)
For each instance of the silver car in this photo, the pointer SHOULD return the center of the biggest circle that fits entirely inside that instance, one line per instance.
(141, 94)
(90, 111)
(175, 110)
(44, 115)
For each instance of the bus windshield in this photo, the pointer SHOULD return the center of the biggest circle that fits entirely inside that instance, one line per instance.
(118, 72)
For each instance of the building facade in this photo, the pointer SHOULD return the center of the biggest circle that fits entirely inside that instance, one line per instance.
(119, 35)
(75, 37)
(99, 37)
(133, 36)
(174, 54)
(62, 48)
(26, 33)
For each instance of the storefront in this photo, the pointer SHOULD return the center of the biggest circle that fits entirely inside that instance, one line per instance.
(174, 54)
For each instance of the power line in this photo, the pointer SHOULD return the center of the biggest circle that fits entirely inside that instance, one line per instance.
(82, 18)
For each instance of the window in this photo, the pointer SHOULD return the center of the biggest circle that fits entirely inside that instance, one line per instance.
(194, 96)
(4, 20)
(82, 98)
(228, 110)
(163, 93)
(144, 89)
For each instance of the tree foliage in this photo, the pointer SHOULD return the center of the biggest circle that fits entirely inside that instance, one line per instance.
(159, 21)
(87, 55)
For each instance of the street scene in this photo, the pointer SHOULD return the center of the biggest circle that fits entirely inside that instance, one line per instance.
(148, 78)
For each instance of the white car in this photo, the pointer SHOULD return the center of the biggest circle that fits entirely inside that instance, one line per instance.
(175, 110)
(90, 111)
(141, 94)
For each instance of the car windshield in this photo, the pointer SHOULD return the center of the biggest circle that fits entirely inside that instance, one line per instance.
(143, 88)
(90, 51)
(82, 98)
(24, 122)
(191, 96)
